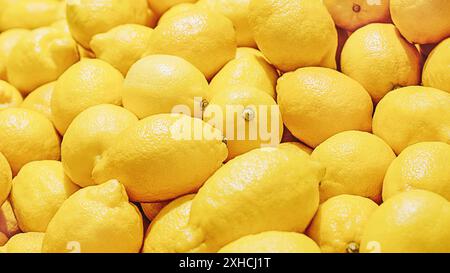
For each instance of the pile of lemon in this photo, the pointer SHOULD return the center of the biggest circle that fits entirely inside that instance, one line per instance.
(93, 157)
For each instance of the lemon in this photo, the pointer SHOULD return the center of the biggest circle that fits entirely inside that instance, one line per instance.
(435, 26)
(40, 100)
(420, 166)
(272, 242)
(152, 209)
(351, 15)
(8, 40)
(158, 83)
(40, 57)
(88, 136)
(27, 136)
(242, 52)
(317, 103)
(161, 6)
(413, 114)
(8, 222)
(87, 83)
(5, 179)
(248, 117)
(87, 18)
(205, 39)
(162, 157)
(356, 163)
(166, 230)
(284, 28)
(175, 10)
(339, 223)
(37, 192)
(297, 145)
(9, 96)
(379, 58)
(30, 242)
(413, 221)
(96, 219)
(435, 72)
(122, 46)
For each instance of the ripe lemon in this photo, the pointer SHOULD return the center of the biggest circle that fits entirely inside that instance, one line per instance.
(40, 100)
(272, 242)
(340, 222)
(96, 219)
(9, 96)
(8, 40)
(88, 136)
(284, 28)
(408, 14)
(8, 222)
(5, 178)
(37, 192)
(87, 83)
(248, 117)
(379, 58)
(30, 242)
(152, 209)
(166, 231)
(436, 69)
(297, 145)
(242, 52)
(40, 57)
(413, 114)
(162, 157)
(420, 166)
(27, 136)
(317, 103)
(351, 15)
(158, 83)
(87, 18)
(175, 10)
(356, 163)
(413, 221)
(161, 6)
(122, 46)
(205, 39)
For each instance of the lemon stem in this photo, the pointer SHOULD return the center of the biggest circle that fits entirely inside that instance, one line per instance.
(356, 7)
(353, 247)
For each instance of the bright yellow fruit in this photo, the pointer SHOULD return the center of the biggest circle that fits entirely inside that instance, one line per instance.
(88, 83)
(161, 6)
(413, 114)
(8, 40)
(248, 117)
(30, 242)
(297, 145)
(37, 192)
(242, 52)
(436, 69)
(9, 96)
(205, 39)
(413, 221)
(5, 178)
(285, 28)
(122, 46)
(166, 231)
(151, 210)
(422, 21)
(158, 83)
(40, 100)
(340, 222)
(356, 163)
(27, 136)
(379, 58)
(162, 157)
(317, 103)
(420, 166)
(353, 14)
(96, 219)
(8, 222)
(272, 242)
(176, 10)
(88, 136)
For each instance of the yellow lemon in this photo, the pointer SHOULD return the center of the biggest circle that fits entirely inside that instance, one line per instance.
(355, 163)
(166, 230)
(122, 46)
(8, 222)
(40, 100)
(161, 6)
(420, 166)
(37, 192)
(9, 96)
(436, 69)
(284, 28)
(27, 136)
(152, 209)
(158, 83)
(379, 58)
(242, 52)
(317, 103)
(87, 83)
(40, 57)
(176, 10)
(205, 39)
(413, 221)
(248, 117)
(272, 242)
(340, 222)
(421, 21)
(88, 136)
(30, 242)
(413, 114)
(95, 219)
(162, 157)
(8, 41)
(297, 145)
(5, 178)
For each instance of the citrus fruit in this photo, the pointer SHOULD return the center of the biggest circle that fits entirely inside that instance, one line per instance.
(8, 40)
(9, 96)
(5, 179)
(40, 100)
(435, 71)
(30, 242)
